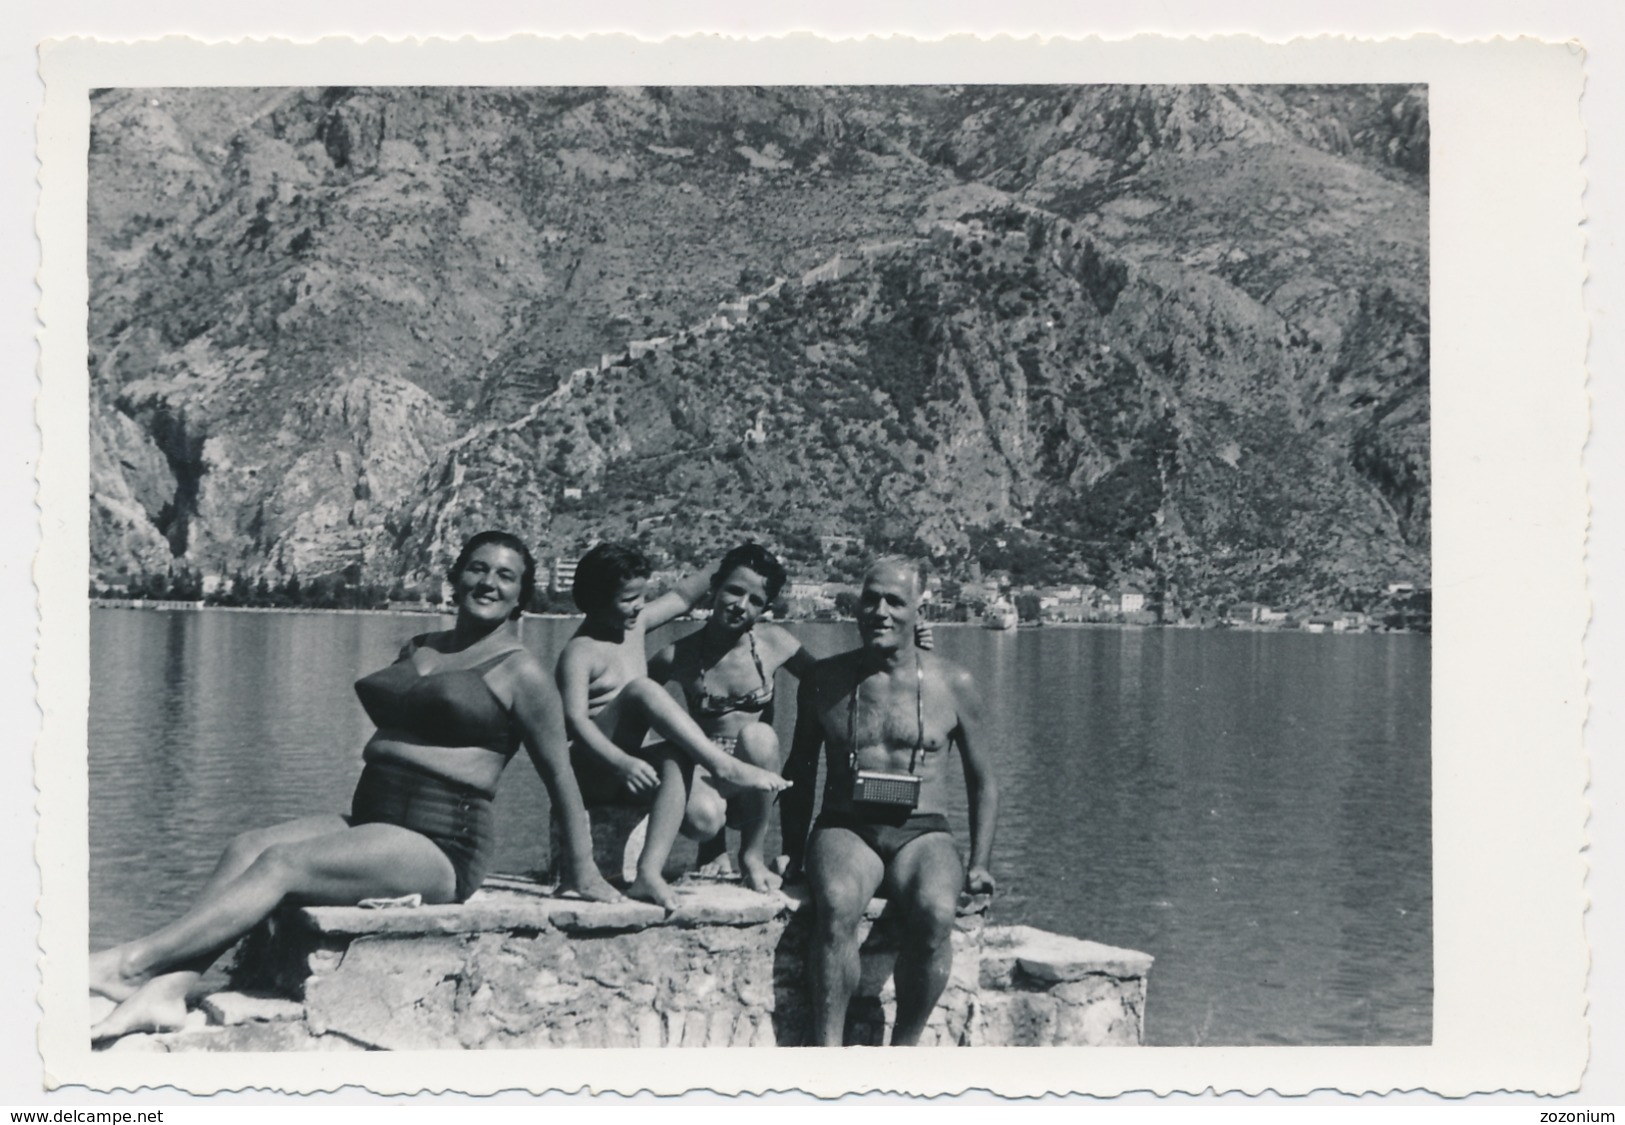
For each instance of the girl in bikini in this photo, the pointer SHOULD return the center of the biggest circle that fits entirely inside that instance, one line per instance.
(451, 712)
(726, 672)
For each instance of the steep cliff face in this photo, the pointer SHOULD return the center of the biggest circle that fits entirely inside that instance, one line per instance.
(1177, 335)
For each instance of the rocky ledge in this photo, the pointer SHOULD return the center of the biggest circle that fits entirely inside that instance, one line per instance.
(516, 967)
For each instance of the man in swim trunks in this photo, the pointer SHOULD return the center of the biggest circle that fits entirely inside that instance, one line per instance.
(886, 707)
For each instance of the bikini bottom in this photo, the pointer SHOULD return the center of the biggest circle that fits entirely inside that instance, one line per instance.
(456, 818)
(885, 832)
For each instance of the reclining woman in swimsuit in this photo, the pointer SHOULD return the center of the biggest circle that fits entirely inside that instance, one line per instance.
(726, 671)
(450, 712)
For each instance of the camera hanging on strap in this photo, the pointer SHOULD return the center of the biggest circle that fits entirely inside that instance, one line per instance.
(888, 788)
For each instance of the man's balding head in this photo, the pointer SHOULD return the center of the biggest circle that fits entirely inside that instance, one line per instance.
(889, 602)
(902, 566)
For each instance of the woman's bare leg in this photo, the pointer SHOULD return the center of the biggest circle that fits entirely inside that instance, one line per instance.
(105, 976)
(668, 718)
(759, 745)
(342, 867)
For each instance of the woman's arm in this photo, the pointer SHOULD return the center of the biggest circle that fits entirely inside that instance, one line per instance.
(540, 712)
(787, 652)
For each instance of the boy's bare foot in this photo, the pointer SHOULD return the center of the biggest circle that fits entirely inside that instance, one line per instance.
(108, 976)
(742, 775)
(757, 876)
(590, 885)
(646, 888)
(158, 1005)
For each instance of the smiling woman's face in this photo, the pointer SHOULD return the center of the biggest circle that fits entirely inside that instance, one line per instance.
(740, 599)
(488, 585)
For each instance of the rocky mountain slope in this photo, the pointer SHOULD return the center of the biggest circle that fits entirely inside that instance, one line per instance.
(1162, 335)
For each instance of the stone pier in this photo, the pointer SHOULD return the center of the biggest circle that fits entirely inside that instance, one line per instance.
(516, 967)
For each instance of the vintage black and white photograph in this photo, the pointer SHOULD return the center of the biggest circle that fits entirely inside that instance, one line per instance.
(956, 559)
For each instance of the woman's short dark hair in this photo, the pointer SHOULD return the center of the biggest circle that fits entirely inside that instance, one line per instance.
(753, 556)
(602, 571)
(527, 581)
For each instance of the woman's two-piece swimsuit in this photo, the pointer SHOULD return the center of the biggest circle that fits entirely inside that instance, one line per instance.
(454, 708)
(707, 708)
(886, 829)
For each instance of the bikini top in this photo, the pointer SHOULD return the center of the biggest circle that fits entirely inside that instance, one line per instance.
(919, 719)
(715, 706)
(443, 707)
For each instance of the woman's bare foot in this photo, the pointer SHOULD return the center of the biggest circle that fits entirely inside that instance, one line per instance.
(742, 775)
(158, 1005)
(110, 976)
(646, 888)
(590, 884)
(757, 876)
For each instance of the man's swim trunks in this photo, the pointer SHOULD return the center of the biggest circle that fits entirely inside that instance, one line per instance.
(456, 818)
(886, 833)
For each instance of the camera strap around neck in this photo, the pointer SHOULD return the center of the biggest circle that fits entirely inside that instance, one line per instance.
(919, 719)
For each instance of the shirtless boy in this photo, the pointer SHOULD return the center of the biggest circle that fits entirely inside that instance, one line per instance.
(886, 706)
(610, 704)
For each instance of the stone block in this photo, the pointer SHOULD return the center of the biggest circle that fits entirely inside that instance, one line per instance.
(1055, 957)
(1103, 1022)
(392, 993)
(231, 1008)
(725, 904)
(1016, 1019)
(517, 967)
(650, 1032)
(614, 849)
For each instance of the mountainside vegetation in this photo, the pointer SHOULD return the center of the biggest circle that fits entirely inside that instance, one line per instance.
(1169, 337)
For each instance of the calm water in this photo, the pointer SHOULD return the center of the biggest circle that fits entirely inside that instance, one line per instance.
(1251, 808)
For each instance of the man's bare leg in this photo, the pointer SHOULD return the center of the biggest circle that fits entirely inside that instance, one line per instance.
(843, 875)
(926, 877)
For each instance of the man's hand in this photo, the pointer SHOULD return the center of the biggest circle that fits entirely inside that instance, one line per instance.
(979, 881)
(637, 775)
(789, 867)
(922, 635)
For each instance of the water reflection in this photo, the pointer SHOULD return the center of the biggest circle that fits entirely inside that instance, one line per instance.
(1253, 809)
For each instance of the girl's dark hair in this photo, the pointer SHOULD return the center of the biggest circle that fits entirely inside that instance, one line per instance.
(601, 572)
(527, 581)
(753, 556)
